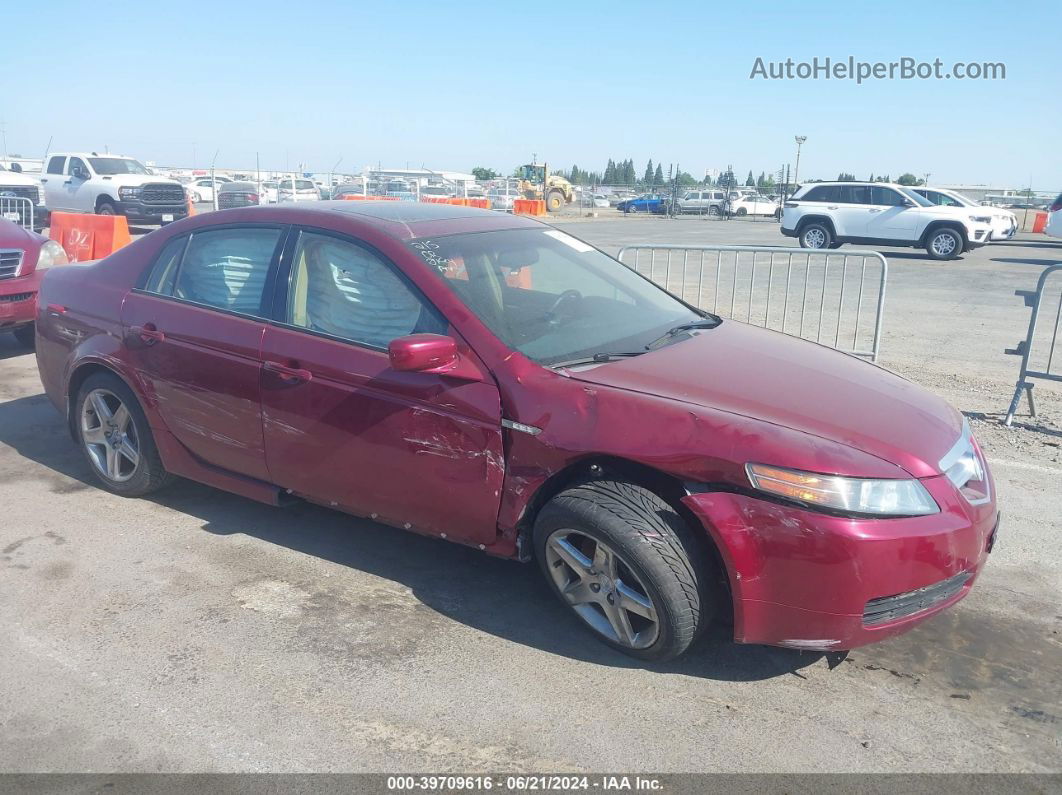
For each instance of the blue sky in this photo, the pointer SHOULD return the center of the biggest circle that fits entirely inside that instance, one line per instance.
(460, 84)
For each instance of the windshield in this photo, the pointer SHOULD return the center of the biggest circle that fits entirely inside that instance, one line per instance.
(550, 296)
(117, 165)
(921, 201)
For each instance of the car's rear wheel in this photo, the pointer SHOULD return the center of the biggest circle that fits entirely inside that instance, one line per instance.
(944, 244)
(115, 437)
(625, 563)
(26, 336)
(741, 211)
(815, 235)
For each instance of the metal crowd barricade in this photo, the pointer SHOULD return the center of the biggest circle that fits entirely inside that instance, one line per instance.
(17, 209)
(1037, 350)
(834, 298)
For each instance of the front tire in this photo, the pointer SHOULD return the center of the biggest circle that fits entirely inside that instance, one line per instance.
(627, 566)
(944, 244)
(26, 336)
(106, 208)
(554, 201)
(816, 235)
(115, 437)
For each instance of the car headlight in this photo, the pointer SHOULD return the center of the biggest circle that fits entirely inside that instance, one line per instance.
(126, 193)
(981, 219)
(851, 495)
(51, 253)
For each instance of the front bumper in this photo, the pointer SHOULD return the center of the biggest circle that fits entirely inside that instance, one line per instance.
(807, 580)
(151, 213)
(18, 301)
(1004, 229)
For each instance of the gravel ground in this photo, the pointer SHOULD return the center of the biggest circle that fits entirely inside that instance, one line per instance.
(198, 631)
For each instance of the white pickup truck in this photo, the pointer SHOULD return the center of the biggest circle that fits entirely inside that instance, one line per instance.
(88, 182)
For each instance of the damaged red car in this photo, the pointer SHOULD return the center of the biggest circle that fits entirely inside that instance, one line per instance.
(24, 257)
(493, 381)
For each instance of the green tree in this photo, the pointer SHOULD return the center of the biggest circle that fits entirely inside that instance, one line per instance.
(761, 181)
(629, 177)
(686, 180)
(648, 178)
(658, 175)
(844, 177)
(908, 179)
(750, 181)
(484, 173)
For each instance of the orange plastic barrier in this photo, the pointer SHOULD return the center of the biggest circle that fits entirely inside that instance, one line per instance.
(1040, 222)
(529, 207)
(350, 198)
(191, 208)
(85, 237)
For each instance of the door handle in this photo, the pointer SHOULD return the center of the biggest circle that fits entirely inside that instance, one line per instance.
(68, 182)
(832, 207)
(873, 211)
(148, 334)
(291, 375)
(44, 180)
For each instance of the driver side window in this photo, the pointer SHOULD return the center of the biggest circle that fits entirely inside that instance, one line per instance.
(342, 289)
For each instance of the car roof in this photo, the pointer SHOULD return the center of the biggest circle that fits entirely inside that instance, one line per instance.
(860, 182)
(402, 220)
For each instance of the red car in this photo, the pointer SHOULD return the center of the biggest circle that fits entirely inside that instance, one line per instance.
(24, 256)
(493, 381)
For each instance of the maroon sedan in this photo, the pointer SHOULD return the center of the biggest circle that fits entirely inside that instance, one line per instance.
(24, 256)
(493, 381)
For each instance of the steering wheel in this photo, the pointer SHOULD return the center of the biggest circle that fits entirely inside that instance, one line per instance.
(566, 297)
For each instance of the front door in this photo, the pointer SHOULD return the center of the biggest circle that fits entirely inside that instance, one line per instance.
(893, 218)
(416, 450)
(193, 334)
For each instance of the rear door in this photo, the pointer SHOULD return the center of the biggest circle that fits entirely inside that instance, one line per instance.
(194, 329)
(416, 450)
(52, 180)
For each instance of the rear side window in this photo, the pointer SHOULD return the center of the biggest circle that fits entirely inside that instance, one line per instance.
(55, 165)
(227, 268)
(854, 194)
(164, 271)
(822, 193)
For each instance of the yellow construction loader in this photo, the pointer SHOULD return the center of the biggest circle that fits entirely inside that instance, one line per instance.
(537, 183)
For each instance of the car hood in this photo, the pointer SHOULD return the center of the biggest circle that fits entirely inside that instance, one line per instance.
(796, 384)
(14, 236)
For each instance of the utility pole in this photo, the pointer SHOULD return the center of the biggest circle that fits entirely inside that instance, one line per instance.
(796, 169)
(926, 182)
(213, 183)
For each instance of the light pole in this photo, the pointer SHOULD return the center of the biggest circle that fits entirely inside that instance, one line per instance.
(927, 175)
(796, 170)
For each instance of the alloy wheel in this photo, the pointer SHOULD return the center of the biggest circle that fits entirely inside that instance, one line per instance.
(943, 244)
(815, 238)
(602, 589)
(109, 435)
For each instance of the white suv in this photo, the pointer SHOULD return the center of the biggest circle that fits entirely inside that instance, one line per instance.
(1004, 222)
(87, 182)
(829, 214)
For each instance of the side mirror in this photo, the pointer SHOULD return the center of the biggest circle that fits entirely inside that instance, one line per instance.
(907, 203)
(423, 353)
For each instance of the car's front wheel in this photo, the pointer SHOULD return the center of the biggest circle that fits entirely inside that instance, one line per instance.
(115, 437)
(106, 208)
(625, 563)
(815, 235)
(944, 244)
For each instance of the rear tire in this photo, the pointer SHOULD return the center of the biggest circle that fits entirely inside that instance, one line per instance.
(741, 211)
(115, 438)
(815, 235)
(944, 244)
(627, 565)
(26, 336)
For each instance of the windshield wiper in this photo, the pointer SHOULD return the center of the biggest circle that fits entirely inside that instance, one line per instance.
(597, 358)
(709, 321)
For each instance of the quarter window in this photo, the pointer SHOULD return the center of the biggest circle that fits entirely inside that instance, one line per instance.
(164, 271)
(341, 289)
(822, 193)
(55, 165)
(227, 268)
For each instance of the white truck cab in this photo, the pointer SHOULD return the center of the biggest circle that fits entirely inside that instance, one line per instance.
(88, 182)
